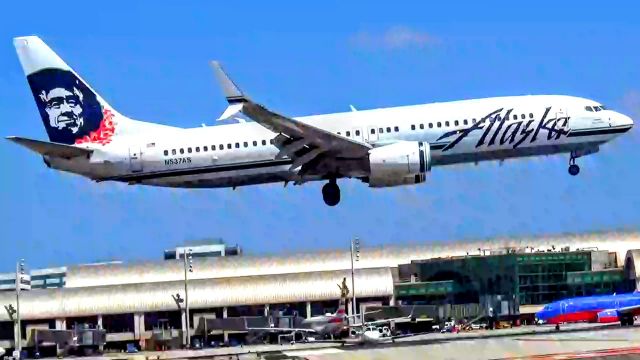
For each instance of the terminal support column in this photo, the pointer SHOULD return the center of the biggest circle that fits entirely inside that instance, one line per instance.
(308, 309)
(224, 333)
(138, 328)
(100, 326)
(61, 324)
(266, 310)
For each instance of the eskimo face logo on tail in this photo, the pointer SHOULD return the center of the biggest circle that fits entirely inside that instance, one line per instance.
(70, 111)
(498, 129)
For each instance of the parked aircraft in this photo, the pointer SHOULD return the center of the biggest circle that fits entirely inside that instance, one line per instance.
(381, 147)
(602, 309)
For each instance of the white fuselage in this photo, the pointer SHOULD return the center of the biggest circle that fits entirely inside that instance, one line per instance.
(241, 154)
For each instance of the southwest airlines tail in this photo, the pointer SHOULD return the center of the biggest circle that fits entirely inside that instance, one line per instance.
(71, 111)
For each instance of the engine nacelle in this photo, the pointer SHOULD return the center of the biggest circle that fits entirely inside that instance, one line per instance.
(401, 163)
(608, 316)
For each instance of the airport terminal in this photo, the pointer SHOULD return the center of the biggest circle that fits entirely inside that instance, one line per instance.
(117, 304)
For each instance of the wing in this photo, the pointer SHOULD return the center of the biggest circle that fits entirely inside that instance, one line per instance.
(49, 148)
(633, 310)
(279, 330)
(305, 144)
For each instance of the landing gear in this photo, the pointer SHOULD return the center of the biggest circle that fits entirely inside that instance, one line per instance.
(626, 321)
(557, 327)
(331, 193)
(574, 169)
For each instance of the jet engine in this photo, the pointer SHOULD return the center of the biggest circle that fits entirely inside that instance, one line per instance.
(400, 163)
(608, 316)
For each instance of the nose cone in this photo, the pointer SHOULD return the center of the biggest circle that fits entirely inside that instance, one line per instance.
(624, 121)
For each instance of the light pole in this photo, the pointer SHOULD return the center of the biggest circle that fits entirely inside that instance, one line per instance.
(18, 332)
(188, 267)
(355, 252)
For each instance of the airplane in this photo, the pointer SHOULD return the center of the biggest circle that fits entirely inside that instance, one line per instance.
(327, 325)
(376, 331)
(383, 147)
(601, 309)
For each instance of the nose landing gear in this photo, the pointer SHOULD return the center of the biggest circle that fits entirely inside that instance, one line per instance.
(331, 193)
(574, 169)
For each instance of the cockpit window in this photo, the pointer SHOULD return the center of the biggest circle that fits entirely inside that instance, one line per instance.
(588, 108)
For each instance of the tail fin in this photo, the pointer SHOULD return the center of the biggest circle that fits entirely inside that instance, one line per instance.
(72, 112)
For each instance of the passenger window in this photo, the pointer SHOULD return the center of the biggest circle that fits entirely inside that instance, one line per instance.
(255, 143)
(197, 149)
(530, 115)
(357, 132)
(515, 117)
(466, 122)
(456, 123)
(430, 125)
(222, 147)
(413, 127)
(522, 116)
(348, 133)
(474, 119)
(166, 152)
(388, 129)
(181, 151)
(446, 123)
(396, 129)
(339, 133)
(229, 146)
(264, 142)
(246, 144)
(439, 124)
(237, 145)
(189, 150)
(373, 131)
(421, 126)
(272, 141)
(205, 148)
(380, 131)
(173, 152)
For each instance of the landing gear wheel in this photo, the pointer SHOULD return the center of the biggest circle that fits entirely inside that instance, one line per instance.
(557, 327)
(574, 169)
(331, 193)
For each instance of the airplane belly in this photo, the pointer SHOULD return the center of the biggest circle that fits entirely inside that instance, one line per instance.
(215, 179)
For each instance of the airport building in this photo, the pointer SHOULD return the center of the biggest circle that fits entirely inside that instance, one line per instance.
(136, 302)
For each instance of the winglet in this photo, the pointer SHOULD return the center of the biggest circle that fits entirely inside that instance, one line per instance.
(231, 91)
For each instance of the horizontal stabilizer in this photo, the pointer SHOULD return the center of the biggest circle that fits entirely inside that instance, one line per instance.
(49, 148)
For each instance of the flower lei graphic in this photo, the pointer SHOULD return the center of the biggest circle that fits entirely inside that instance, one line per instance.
(104, 133)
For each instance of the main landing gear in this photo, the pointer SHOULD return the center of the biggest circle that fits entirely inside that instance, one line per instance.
(331, 193)
(574, 169)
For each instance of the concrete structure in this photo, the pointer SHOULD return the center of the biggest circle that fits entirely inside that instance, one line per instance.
(131, 300)
(203, 248)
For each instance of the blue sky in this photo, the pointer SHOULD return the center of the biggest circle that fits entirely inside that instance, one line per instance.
(150, 60)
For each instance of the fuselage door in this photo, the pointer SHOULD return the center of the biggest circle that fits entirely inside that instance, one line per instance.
(135, 159)
(561, 112)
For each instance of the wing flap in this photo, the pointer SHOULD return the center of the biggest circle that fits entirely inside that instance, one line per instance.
(50, 149)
